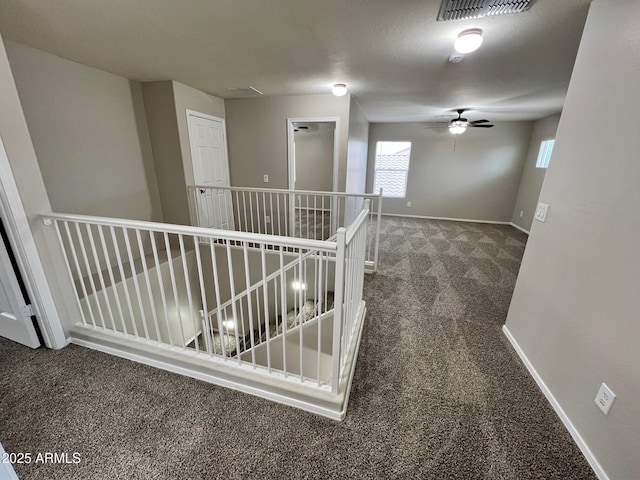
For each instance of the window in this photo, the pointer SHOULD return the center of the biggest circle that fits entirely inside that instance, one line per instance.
(392, 168)
(544, 155)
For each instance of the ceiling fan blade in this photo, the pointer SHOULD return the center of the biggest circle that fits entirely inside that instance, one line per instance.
(442, 125)
(479, 121)
(481, 126)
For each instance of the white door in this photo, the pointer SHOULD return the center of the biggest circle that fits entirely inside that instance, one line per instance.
(210, 169)
(15, 321)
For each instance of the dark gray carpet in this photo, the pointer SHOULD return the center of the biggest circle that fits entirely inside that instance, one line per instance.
(438, 392)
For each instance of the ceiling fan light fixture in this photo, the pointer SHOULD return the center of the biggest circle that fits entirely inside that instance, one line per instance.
(458, 127)
(468, 40)
(339, 89)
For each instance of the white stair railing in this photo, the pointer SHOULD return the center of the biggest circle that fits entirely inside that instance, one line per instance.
(297, 213)
(256, 302)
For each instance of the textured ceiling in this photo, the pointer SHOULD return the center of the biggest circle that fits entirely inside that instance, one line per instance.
(391, 53)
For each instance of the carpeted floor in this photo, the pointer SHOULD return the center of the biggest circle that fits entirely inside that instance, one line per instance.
(438, 392)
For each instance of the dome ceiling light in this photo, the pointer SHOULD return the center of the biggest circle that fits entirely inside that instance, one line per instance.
(468, 40)
(339, 89)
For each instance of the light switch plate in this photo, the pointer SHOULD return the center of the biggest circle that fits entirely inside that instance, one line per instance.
(541, 212)
(265, 178)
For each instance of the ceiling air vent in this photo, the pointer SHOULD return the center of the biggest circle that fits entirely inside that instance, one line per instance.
(245, 91)
(465, 9)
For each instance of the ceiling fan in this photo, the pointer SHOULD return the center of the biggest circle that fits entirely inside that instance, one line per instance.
(459, 125)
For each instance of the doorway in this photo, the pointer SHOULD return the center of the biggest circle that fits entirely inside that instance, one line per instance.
(313, 153)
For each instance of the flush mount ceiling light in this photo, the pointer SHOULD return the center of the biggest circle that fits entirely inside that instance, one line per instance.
(339, 89)
(468, 40)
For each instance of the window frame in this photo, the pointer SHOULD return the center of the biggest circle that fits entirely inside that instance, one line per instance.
(406, 171)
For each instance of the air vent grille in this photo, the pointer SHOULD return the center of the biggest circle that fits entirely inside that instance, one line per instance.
(245, 91)
(465, 9)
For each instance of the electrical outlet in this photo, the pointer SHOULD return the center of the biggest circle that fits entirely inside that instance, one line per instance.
(265, 178)
(521, 213)
(605, 398)
(541, 212)
(267, 219)
(408, 204)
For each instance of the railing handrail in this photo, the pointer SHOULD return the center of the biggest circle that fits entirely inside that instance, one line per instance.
(328, 193)
(212, 233)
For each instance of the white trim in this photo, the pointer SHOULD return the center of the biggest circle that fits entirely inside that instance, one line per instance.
(352, 357)
(212, 233)
(468, 220)
(28, 257)
(290, 148)
(519, 228)
(582, 445)
(188, 367)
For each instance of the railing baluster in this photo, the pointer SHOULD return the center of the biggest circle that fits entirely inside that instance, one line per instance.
(301, 291)
(319, 307)
(145, 270)
(114, 286)
(216, 282)
(249, 306)
(174, 289)
(187, 284)
(283, 299)
(103, 287)
(308, 216)
(206, 329)
(163, 296)
(244, 209)
(66, 260)
(134, 278)
(123, 280)
(92, 284)
(265, 295)
(271, 213)
(221, 214)
(264, 213)
(232, 287)
(278, 209)
(251, 213)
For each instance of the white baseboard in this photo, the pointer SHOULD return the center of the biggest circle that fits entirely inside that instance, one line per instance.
(518, 227)
(582, 445)
(468, 220)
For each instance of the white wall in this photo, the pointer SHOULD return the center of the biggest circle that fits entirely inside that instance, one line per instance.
(532, 176)
(90, 135)
(257, 135)
(472, 176)
(575, 307)
(357, 149)
(159, 104)
(166, 103)
(28, 178)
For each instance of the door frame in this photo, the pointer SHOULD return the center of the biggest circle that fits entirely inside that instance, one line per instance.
(27, 256)
(291, 148)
